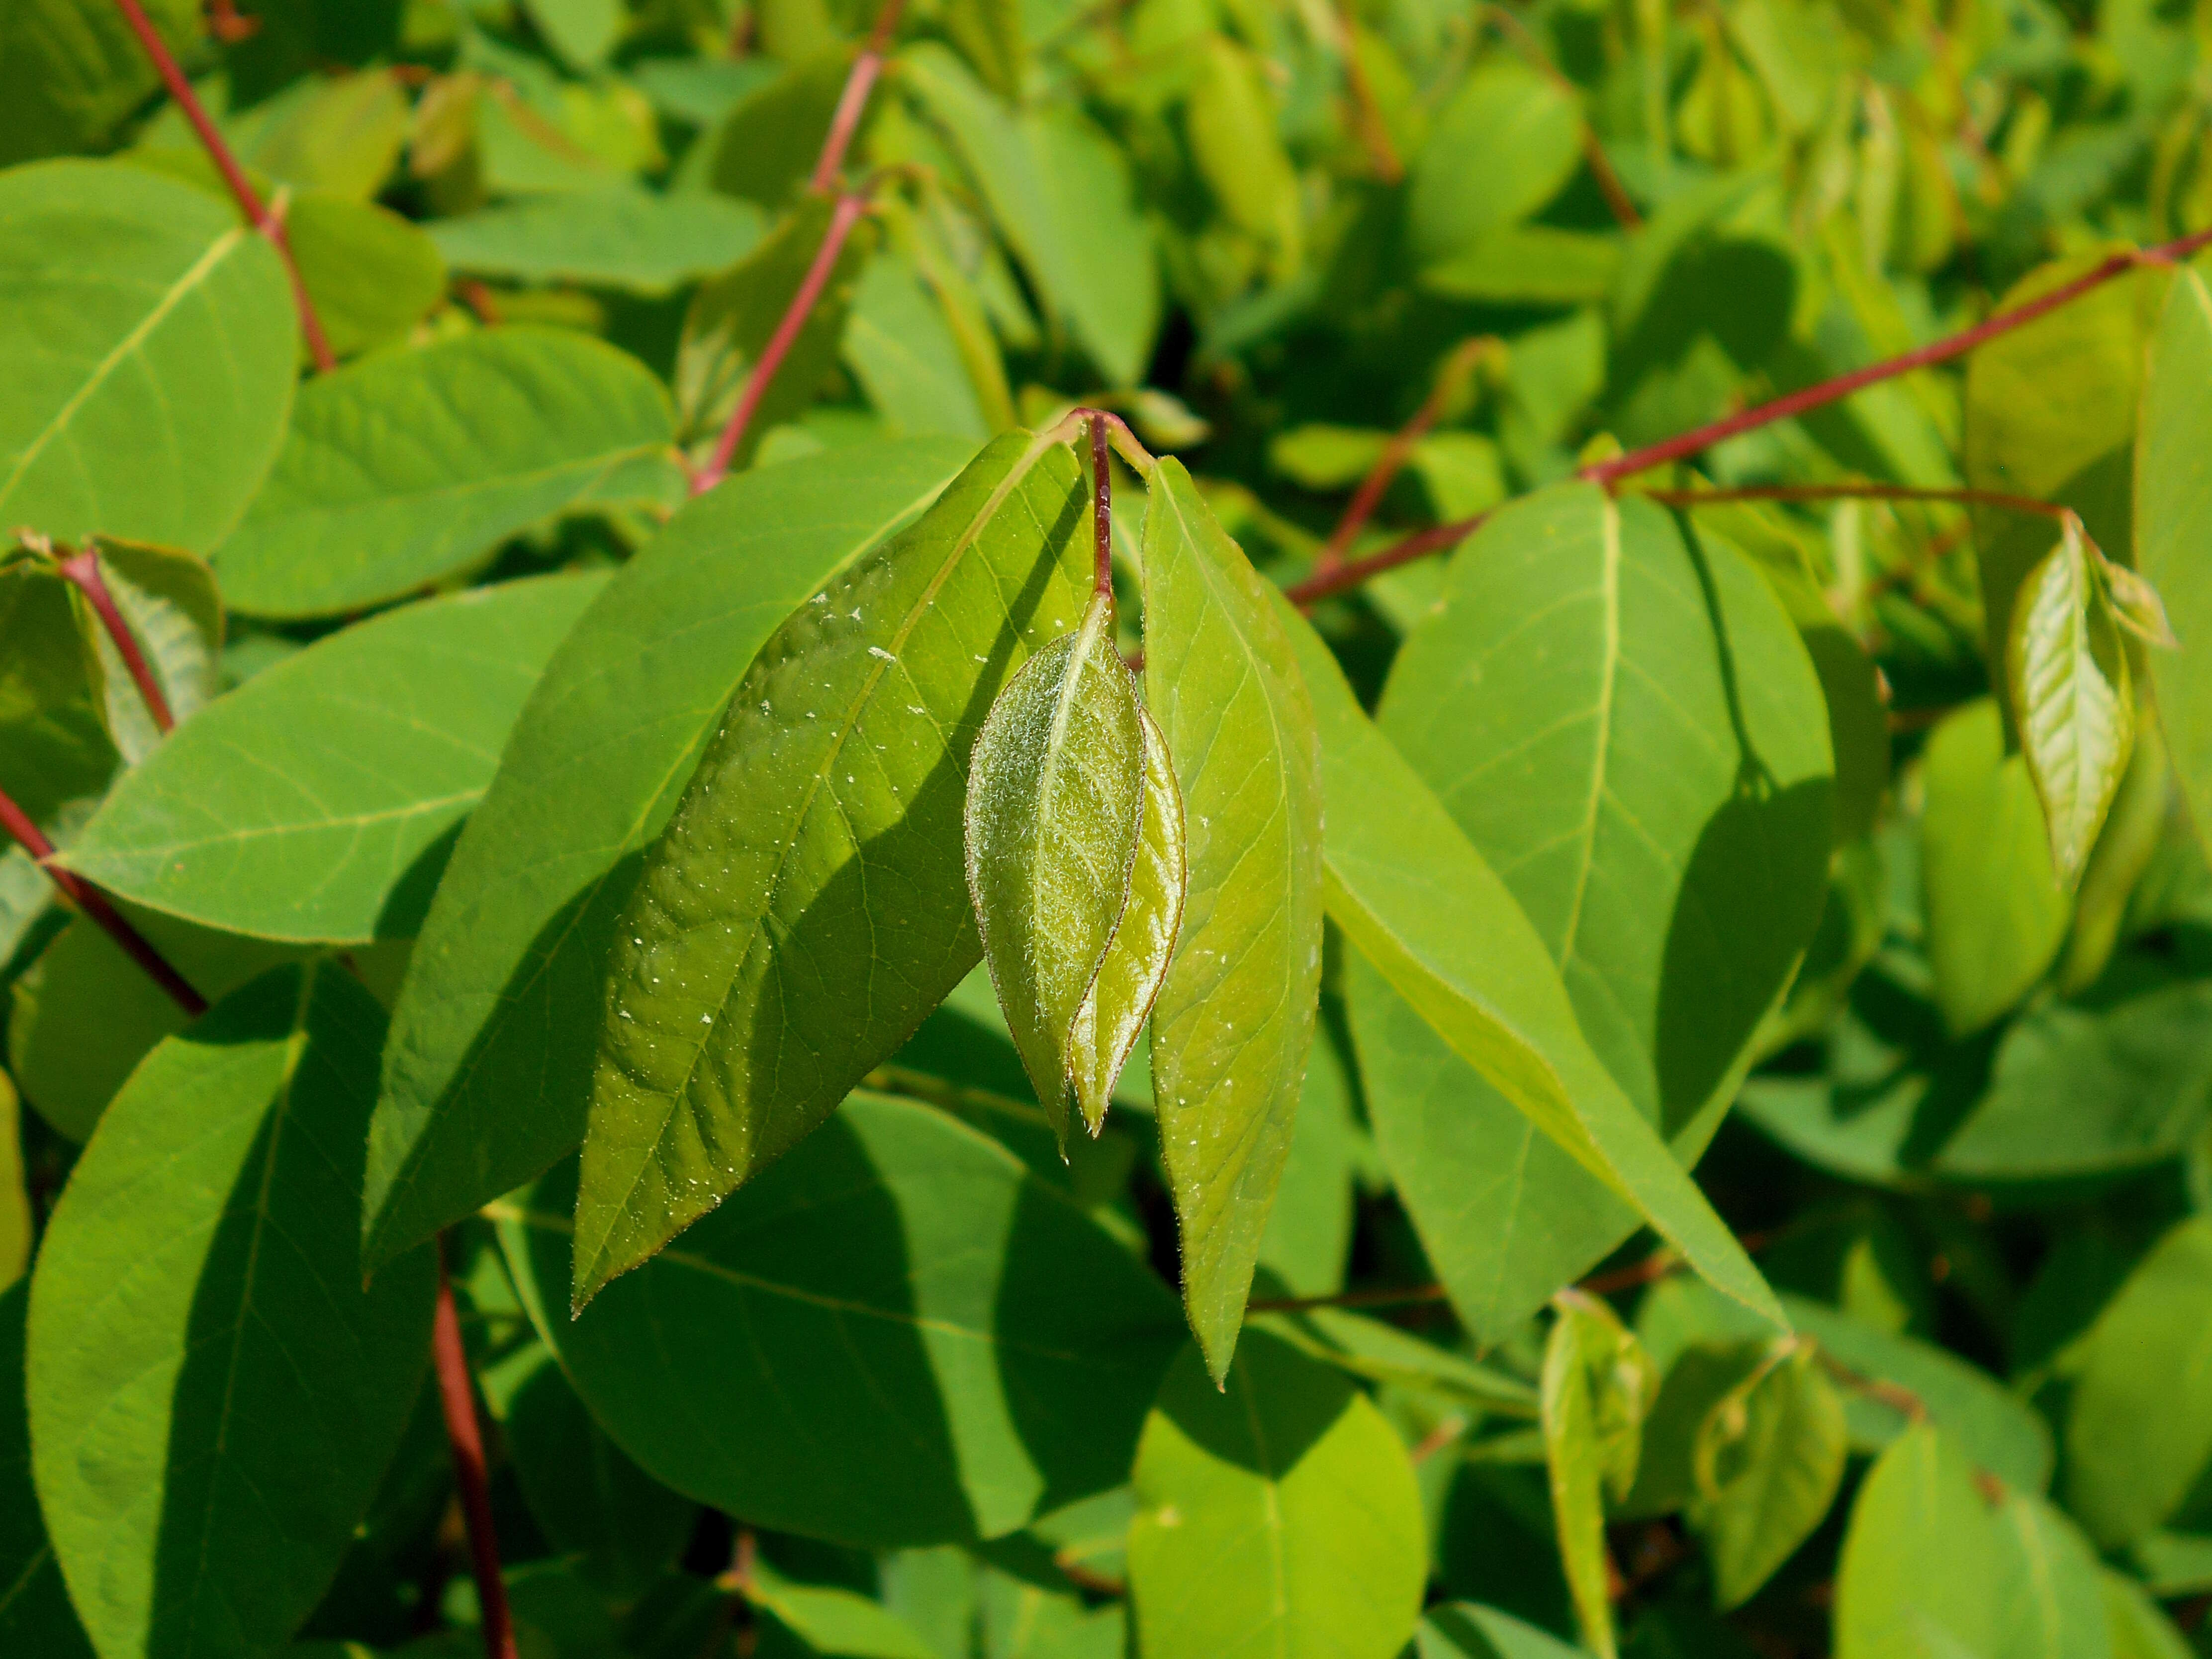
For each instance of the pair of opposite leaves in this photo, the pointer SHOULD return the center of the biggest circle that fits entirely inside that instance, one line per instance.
(1076, 863)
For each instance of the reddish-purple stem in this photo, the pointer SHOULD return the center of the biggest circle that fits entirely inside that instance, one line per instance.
(457, 1397)
(249, 200)
(841, 221)
(84, 569)
(93, 903)
(853, 102)
(1325, 584)
(1102, 512)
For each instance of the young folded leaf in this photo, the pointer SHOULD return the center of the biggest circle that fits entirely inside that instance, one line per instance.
(1235, 1012)
(1598, 1386)
(806, 907)
(1055, 796)
(1116, 1007)
(2071, 699)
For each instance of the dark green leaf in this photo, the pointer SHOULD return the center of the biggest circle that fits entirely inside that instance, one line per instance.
(487, 1074)
(732, 1024)
(69, 71)
(167, 600)
(1463, 1630)
(200, 1334)
(35, 1614)
(894, 1336)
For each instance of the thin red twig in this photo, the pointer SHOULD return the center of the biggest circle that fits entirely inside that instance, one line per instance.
(1102, 513)
(1324, 584)
(84, 569)
(1937, 352)
(841, 221)
(269, 224)
(1397, 452)
(853, 102)
(458, 1398)
(93, 903)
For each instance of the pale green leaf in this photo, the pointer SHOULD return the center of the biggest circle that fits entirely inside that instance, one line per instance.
(1235, 1014)
(319, 800)
(1463, 1630)
(150, 340)
(2071, 701)
(836, 1623)
(199, 1333)
(1597, 1387)
(2174, 525)
(1237, 146)
(1527, 130)
(1769, 1459)
(1279, 1516)
(1921, 1575)
(16, 1218)
(582, 31)
(35, 1614)
(487, 1074)
(2050, 1603)
(1055, 794)
(1996, 913)
(894, 1336)
(2135, 1626)
(753, 981)
(1119, 1000)
(408, 467)
(629, 238)
(901, 344)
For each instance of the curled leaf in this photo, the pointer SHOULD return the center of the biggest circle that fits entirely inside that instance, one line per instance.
(1056, 793)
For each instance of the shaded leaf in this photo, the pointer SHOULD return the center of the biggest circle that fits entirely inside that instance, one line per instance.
(16, 1221)
(627, 238)
(1464, 1629)
(1279, 1515)
(319, 800)
(837, 1624)
(150, 338)
(900, 345)
(35, 1614)
(881, 1346)
(409, 466)
(752, 984)
(487, 1074)
(199, 1333)
(1235, 1014)
(70, 71)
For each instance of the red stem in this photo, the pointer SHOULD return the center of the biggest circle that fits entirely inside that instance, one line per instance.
(1102, 513)
(1388, 466)
(1324, 584)
(93, 903)
(853, 102)
(1938, 351)
(847, 214)
(249, 200)
(457, 1397)
(84, 569)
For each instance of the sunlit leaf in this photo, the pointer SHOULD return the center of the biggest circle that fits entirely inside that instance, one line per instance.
(1768, 1459)
(1598, 1386)
(2173, 520)
(1921, 1572)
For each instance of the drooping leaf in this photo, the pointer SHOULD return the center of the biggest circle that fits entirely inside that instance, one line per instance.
(883, 1345)
(2139, 1424)
(1769, 1459)
(1598, 1386)
(1921, 1573)
(1996, 913)
(408, 467)
(151, 339)
(48, 660)
(199, 1333)
(1237, 146)
(318, 801)
(69, 72)
(35, 1614)
(1055, 796)
(629, 238)
(753, 981)
(1234, 1013)
(1113, 1010)
(2071, 700)
(1279, 1516)
(487, 1074)
(2172, 518)
(1470, 992)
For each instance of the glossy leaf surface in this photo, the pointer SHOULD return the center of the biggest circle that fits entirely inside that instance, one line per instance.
(755, 977)
(408, 467)
(891, 1358)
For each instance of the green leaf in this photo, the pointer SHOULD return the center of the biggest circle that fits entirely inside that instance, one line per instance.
(1235, 1014)
(989, 34)
(900, 345)
(17, 1224)
(1996, 913)
(1529, 265)
(1464, 1629)
(582, 31)
(2049, 1599)
(1527, 129)
(372, 274)
(1056, 793)
(1597, 1387)
(626, 238)
(69, 71)
(731, 319)
(2174, 518)
(2068, 672)
(1279, 1517)
(1921, 1575)
(732, 1029)
(319, 800)
(35, 1614)
(409, 466)
(1698, 1379)
(1769, 1459)
(1119, 1000)
(200, 1334)
(487, 1074)
(894, 1336)
(2139, 1425)
(1237, 146)
(48, 660)
(168, 601)
(1060, 193)
(837, 1624)
(150, 339)
(767, 144)
(2135, 1626)
(1480, 1004)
